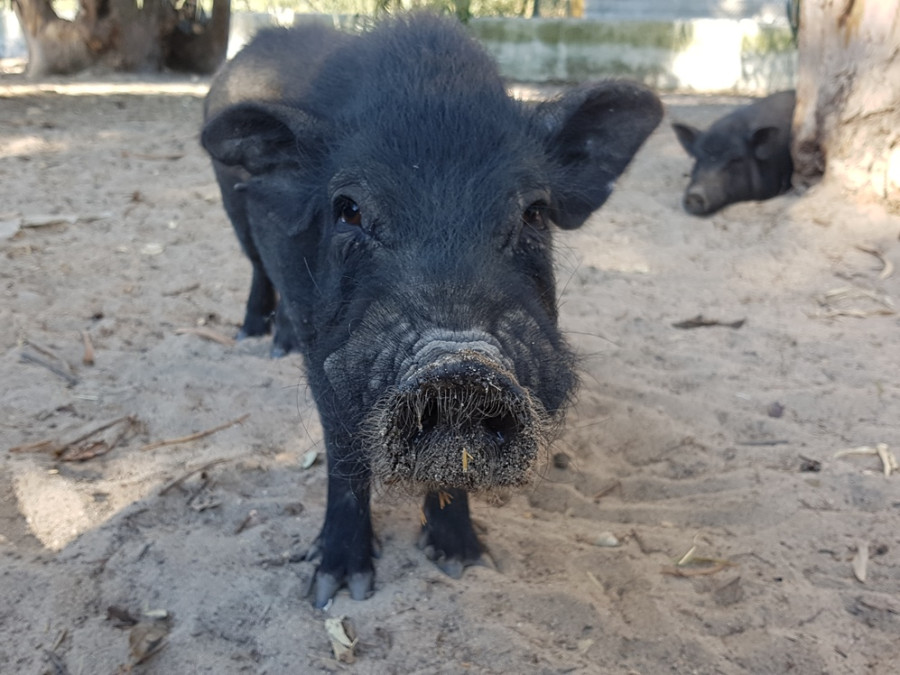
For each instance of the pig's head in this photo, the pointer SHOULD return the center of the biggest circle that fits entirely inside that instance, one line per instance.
(731, 165)
(415, 215)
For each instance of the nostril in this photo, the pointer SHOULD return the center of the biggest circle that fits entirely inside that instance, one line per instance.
(694, 202)
(499, 428)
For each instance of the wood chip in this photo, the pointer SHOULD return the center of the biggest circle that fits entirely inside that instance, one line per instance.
(343, 638)
(860, 561)
(146, 640)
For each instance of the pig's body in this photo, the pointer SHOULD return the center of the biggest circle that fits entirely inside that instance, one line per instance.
(400, 204)
(743, 156)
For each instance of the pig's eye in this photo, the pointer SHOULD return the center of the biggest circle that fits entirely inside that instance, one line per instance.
(534, 215)
(347, 211)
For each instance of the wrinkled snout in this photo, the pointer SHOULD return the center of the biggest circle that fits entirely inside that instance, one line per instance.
(696, 201)
(460, 420)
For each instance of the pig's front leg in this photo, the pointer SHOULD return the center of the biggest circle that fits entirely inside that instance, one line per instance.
(447, 535)
(345, 544)
(260, 304)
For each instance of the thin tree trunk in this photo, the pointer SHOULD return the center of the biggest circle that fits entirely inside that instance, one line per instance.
(123, 35)
(847, 120)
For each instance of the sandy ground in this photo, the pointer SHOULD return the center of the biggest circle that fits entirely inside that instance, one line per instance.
(712, 447)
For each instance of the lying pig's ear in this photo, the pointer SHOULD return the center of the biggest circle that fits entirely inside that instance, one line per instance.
(260, 136)
(766, 143)
(687, 136)
(592, 133)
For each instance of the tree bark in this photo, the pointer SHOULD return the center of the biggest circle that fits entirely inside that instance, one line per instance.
(199, 46)
(124, 35)
(847, 119)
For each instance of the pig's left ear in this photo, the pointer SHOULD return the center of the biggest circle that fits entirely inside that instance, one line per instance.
(592, 133)
(765, 142)
(261, 137)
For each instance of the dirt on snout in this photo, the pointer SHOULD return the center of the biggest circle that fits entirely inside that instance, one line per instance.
(459, 422)
(719, 500)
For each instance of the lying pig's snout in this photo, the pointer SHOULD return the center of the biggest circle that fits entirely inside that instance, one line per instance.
(695, 200)
(460, 420)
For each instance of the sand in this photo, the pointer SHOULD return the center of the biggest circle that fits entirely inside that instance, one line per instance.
(697, 519)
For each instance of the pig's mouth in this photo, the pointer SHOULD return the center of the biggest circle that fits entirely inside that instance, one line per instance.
(460, 421)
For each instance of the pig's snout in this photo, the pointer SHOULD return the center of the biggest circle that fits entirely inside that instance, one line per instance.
(696, 201)
(461, 420)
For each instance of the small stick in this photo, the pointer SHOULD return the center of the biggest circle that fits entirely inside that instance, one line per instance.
(591, 576)
(165, 157)
(701, 321)
(605, 491)
(676, 571)
(779, 441)
(38, 446)
(88, 356)
(56, 370)
(178, 291)
(208, 334)
(887, 267)
(194, 437)
(178, 481)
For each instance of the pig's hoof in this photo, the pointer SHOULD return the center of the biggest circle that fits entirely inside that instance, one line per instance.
(278, 352)
(283, 343)
(452, 558)
(360, 585)
(254, 327)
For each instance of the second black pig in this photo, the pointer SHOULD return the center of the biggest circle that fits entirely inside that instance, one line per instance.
(743, 156)
(402, 205)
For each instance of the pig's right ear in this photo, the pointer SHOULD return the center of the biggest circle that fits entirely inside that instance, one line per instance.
(687, 136)
(259, 136)
(591, 134)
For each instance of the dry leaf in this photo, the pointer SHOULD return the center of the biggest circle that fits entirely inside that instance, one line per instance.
(343, 638)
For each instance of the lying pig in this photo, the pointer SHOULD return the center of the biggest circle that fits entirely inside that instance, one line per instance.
(401, 205)
(746, 155)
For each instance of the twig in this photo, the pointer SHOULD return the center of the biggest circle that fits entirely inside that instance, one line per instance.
(888, 460)
(677, 571)
(887, 267)
(70, 379)
(194, 437)
(179, 291)
(591, 576)
(165, 157)
(777, 441)
(178, 481)
(208, 334)
(605, 491)
(60, 446)
(88, 356)
(701, 321)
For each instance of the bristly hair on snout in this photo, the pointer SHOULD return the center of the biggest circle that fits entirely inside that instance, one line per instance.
(463, 423)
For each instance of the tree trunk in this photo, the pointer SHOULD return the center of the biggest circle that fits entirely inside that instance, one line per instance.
(847, 120)
(196, 45)
(124, 35)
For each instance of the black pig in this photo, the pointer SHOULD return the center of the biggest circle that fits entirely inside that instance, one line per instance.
(743, 156)
(400, 203)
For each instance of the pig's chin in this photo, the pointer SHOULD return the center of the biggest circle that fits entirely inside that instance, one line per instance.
(459, 422)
